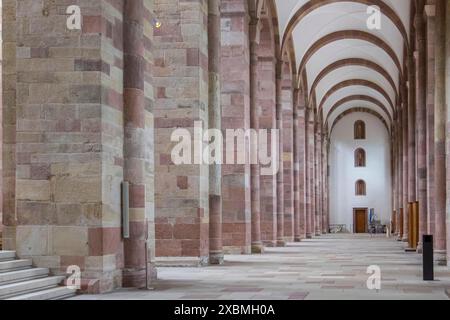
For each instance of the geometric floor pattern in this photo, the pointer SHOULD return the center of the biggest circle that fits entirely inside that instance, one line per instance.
(327, 267)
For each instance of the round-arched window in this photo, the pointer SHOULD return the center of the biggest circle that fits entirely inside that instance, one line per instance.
(360, 188)
(360, 130)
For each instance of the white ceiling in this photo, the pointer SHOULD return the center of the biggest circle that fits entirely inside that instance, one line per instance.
(346, 15)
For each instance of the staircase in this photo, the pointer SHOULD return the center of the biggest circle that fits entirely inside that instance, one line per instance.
(19, 280)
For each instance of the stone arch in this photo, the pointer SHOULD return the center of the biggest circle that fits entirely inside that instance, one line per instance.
(273, 16)
(361, 98)
(356, 82)
(353, 62)
(354, 110)
(312, 5)
(349, 34)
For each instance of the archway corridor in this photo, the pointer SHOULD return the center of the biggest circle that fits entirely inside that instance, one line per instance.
(224, 149)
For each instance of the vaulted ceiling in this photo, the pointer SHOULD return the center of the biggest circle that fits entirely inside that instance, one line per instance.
(348, 65)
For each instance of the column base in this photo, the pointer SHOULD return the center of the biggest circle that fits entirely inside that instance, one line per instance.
(269, 244)
(134, 278)
(318, 234)
(216, 258)
(181, 261)
(440, 257)
(237, 250)
(298, 239)
(419, 248)
(309, 236)
(257, 248)
(281, 243)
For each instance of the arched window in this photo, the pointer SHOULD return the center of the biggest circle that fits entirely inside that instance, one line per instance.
(360, 130)
(360, 158)
(360, 188)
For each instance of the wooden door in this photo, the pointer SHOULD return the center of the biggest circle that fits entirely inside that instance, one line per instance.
(360, 220)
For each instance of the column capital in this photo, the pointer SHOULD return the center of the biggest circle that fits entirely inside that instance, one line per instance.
(214, 7)
(430, 10)
(254, 30)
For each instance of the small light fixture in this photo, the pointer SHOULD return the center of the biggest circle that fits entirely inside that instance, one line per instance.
(156, 23)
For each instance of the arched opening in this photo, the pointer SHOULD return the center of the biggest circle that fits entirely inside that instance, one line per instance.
(360, 158)
(360, 188)
(356, 182)
(360, 130)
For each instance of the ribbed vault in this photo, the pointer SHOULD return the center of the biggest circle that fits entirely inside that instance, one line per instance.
(340, 58)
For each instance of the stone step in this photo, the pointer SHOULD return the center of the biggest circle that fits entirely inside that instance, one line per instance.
(57, 293)
(14, 265)
(23, 275)
(25, 287)
(7, 255)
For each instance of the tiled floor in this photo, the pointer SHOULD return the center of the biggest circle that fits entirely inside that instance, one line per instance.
(328, 267)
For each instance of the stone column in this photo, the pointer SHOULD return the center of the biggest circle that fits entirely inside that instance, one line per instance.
(430, 11)
(296, 218)
(325, 218)
(181, 115)
(421, 120)
(447, 90)
(235, 91)
(9, 125)
(267, 121)
(254, 31)
(447, 17)
(312, 171)
(412, 197)
(405, 164)
(317, 175)
(1, 133)
(302, 164)
(214, 119)
(288, 153)
(399, 168)
(134, 143)
(440, 116)
(67, 186)
(308, 198)
(394, 165)
(280, 174)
